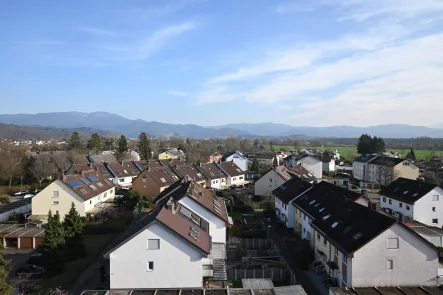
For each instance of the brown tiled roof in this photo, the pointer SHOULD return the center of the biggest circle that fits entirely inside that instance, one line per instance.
(211, 171)
(163, 176)
(301, 172)
(189, 170)
(152, 164)
(186, 187)
(88, 184)
(172, 162)
(231, 168)
(127, 169)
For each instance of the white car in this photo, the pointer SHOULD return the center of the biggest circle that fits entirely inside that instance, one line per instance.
(28, 196)
(20, 193)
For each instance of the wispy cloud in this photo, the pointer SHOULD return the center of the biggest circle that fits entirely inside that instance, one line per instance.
(156, 40)
(95, 30)
(176, 93)
(392, 64)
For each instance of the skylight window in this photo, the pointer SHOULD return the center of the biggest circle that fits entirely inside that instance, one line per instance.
(238, 170)
(92, 187)
(310, 175)
(357, 236)
(194, 236)
(414, 195)
(212, 173)
(126, 172)
(316, 205)
(405, 192)
(312, 202)
(326, 216)
(321, 210)
(334, 225)
(99, 184)
(199, 174)
(194, 230)
(162, 179)
(83, 191)
(347, 229)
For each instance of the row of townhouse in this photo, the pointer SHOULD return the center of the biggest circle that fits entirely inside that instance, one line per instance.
(409, 200)
(357, 246)
(276, 176)
(383, 169)
(179, 244)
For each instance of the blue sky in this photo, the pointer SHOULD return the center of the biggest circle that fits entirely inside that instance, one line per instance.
(316, 62)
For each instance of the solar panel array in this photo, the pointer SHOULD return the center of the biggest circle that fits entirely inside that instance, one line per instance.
(84, 180)
(74, 183)
(92, 178)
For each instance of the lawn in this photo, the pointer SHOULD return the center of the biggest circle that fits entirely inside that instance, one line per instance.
(347, 151)
(94, 244)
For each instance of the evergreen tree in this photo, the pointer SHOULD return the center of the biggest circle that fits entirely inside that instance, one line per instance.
(95, 143)
(5, 288)
(74, 141)
(53, 244)
(364, 145)
(378, 145)
(411, 155)
(256, 143)
(144, 146)
(72, 224)
(122, 147)
(255, 166)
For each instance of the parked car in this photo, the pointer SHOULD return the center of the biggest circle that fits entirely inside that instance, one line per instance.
(28, 196)
(30, 270)
(19, 193)
(35, 259)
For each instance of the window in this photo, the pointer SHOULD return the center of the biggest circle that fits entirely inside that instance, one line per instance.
(92, 187)
(318, 236)
(400, 204)
(435, 197)
(270, 179)
(83, 191)
(234, 179)
(150, 266)
(336, 251)
(324, 241)
(54, 202)
(121, 180)
(153, 244)
(105, 195)
(99, 184)
(435, 220)
(345, 280)
(90, 202)
(241, 177)
(390, 264)
(407, 207)
(162, 179)
(144, 179)
(390, 202)
(392, 243)
(304, 217)
(55, 194)
(433, 209)
(126, 172)
(345, 259)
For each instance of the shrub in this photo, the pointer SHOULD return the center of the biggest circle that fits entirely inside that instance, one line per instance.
(5, 199)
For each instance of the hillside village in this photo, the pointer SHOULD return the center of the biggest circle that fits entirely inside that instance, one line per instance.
(304, 218)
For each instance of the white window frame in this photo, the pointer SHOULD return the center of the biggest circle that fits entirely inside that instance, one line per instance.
(389, 264)
(395, 245)
(55, 194)
(435, 198)
(433, 220)
(144, 179)
(153, 240)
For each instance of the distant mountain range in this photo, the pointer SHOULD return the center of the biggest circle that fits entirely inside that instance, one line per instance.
(112, 123)
(14, 132)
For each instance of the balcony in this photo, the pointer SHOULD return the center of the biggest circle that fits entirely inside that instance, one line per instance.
(207, 273)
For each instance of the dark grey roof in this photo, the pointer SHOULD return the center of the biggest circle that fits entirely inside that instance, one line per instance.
(407, 190)
(291, 189)
(386, 161)
(14, 205)
(335, 214)
(365, 158)
(228, 154)
(99, 159)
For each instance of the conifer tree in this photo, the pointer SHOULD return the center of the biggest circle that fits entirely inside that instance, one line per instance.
(5, 288)
(72, 224)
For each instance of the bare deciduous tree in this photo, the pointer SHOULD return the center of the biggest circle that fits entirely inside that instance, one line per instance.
(11, 163)
(41, 169)
(61, 163)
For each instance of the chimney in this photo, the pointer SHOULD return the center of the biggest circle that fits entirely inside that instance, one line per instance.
(170, 205)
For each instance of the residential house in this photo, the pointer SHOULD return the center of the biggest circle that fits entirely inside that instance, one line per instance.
(328, 163)
(237, 158)
(123, 173)
(172, 162)
(151, 182)
(191, 171)
(215, 158)
(171, 154)
(215, 178)
(144, 164)
(409, 199)
(102, 158)
(76, 169)
(301, 172)
(87, 191)
(271, 180)
(431, 234)
(284, 195)
(311, 163)
(360, 247)
(360, 167)
(235, 175)
(302, 221)
(202, 202)
(384, 170)
(164, 249)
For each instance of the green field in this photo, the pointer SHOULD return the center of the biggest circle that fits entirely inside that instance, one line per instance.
(351, 151)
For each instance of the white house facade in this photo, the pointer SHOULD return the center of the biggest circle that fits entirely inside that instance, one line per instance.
(270, 181)
(410, 199)
(237, 158)
(312, 164)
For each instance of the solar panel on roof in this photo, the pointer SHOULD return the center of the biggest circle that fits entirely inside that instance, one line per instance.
(74, 183)
(84, 180)
(92, 178)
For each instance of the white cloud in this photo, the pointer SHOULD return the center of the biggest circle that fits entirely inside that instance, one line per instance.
(95, 31)
(391, 72)
(156, 40)
(176, 93)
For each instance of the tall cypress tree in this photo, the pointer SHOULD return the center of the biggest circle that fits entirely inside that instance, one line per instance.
(144, 146)
(53, 243)
(72, 224)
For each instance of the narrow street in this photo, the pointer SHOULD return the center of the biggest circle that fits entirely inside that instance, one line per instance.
(303, 277)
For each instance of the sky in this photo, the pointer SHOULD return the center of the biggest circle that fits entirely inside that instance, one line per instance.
(303, 63)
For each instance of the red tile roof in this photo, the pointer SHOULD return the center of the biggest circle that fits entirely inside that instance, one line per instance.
(88, 184)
